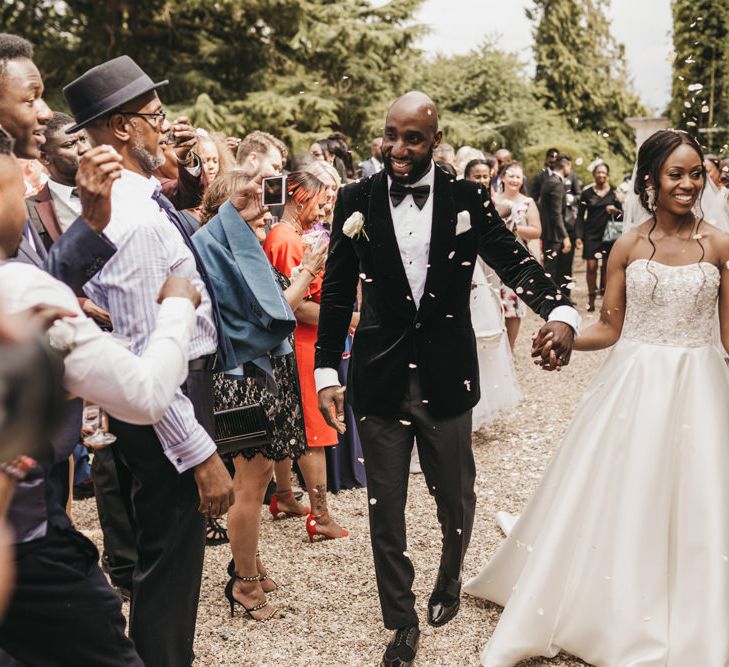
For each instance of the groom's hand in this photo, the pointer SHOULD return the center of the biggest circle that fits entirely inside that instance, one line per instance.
(331, 406)
(552, 346)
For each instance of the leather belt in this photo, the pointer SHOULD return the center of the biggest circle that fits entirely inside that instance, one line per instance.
(206, 363)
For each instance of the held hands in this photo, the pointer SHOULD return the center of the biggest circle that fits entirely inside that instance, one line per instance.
(98, 168)
(331, 406)
(612, 210)
(176, 286)
(185, 137)
(214, 486)
(552, 346)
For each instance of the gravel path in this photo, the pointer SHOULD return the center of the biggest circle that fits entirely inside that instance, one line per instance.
(328, 589)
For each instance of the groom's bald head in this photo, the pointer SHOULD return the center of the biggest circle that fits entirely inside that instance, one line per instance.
(411, 133)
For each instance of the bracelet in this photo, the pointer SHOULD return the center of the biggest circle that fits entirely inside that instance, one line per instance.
(18, 468)
(306, 268)
(188, 161)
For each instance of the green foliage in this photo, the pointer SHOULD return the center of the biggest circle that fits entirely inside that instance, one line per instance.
(303, 68)
(700, 99)
(581, 69)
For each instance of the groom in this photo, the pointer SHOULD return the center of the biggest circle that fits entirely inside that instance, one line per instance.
(411, 234)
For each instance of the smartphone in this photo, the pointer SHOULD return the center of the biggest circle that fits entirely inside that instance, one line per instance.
(274, 191)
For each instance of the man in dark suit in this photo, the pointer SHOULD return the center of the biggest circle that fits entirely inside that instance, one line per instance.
(535, 185)
(374, 164)
(556, 241)
(412, 234)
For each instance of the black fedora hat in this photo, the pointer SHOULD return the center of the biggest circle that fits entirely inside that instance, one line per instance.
(104, 88)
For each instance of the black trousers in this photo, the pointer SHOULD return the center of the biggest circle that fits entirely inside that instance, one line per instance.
(120, 548)
(63, 611)
(558, 264)
(444, 447)
(169, 532)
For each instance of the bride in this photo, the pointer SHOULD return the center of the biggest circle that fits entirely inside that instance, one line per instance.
(622, 556)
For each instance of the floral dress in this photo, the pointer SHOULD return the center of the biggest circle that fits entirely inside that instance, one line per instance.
(512, 304)
(283, 411)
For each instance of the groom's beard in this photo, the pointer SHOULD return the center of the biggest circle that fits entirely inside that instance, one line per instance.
(418, 170)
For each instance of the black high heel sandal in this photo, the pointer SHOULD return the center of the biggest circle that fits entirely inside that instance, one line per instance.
(261, 577)
(215, 533)
(249, 611)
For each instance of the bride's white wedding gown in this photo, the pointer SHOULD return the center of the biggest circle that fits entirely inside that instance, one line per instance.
(622, 556)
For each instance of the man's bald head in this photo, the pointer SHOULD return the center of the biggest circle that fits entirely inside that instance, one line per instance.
(416, 104)
(411, 134)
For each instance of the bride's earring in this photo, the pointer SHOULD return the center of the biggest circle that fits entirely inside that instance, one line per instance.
(650, 195)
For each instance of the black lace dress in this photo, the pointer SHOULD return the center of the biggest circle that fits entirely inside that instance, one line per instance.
(284, 412)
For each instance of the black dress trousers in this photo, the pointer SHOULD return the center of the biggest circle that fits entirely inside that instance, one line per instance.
(63, 611)
(170, 536)
(444, 447)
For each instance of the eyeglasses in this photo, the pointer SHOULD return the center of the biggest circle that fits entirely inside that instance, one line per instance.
(159, 116)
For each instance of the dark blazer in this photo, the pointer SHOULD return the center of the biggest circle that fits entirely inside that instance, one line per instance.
(186, 190)
(73, 259)
(42, 213)
(438, 337)
(552, 209)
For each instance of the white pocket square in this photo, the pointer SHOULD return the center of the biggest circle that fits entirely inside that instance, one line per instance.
(464, 222)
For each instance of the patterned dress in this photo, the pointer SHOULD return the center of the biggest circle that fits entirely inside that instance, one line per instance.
(284, 411)
(512, 304)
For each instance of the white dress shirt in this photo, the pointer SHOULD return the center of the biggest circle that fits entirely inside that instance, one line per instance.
(413, 229)
(68, 206)
(149, 249)
(135, 389)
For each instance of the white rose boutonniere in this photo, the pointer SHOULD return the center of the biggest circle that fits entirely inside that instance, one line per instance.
(354, 226)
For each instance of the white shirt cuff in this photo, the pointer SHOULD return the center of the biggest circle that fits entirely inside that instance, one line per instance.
(325, 377)
(568, 315)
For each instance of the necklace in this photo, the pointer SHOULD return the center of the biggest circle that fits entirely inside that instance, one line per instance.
(294, 225)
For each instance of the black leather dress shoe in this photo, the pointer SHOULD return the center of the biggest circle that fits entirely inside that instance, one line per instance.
(403, 646)
(445, 600)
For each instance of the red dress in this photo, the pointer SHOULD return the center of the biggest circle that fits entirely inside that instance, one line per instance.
(285, 249)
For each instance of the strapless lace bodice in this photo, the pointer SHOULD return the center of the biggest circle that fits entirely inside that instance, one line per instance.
(670, 305)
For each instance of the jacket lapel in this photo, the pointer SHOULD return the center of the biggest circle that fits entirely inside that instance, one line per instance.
(442, 243)
(391, 278)
(47, 213)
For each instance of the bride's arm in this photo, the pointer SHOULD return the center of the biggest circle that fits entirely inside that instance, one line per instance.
(723, 251)
(606, 331)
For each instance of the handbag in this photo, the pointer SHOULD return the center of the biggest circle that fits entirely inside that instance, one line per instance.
(613, 230)
(241, 428)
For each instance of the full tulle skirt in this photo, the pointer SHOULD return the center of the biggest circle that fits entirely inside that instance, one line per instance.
(622, 556)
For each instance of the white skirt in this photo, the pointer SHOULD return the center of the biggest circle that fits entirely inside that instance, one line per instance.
(622, 556)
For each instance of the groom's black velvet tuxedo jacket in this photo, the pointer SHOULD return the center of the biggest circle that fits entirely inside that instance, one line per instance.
(392, 334)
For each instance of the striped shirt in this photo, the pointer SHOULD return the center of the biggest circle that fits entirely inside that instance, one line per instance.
(149, 250)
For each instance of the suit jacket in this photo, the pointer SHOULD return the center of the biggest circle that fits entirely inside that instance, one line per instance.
(73, 259)
(392, 334)
(552, 209)
(370, 167)
(186, 190)
(42, 213)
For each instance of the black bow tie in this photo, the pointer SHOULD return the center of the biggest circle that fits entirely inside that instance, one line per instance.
(398, 192)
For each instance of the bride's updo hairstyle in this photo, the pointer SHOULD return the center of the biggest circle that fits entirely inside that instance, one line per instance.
(652, 156)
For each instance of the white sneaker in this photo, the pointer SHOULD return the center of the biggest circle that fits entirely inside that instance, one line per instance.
(415, 468)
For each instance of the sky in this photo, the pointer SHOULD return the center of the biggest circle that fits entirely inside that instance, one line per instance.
(643, 26)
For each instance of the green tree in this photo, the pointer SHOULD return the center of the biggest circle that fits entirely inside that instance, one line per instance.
(300, 68)
(700, 88)
(581, 69)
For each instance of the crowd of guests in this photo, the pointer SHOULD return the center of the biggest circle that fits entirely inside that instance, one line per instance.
(190, 308)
